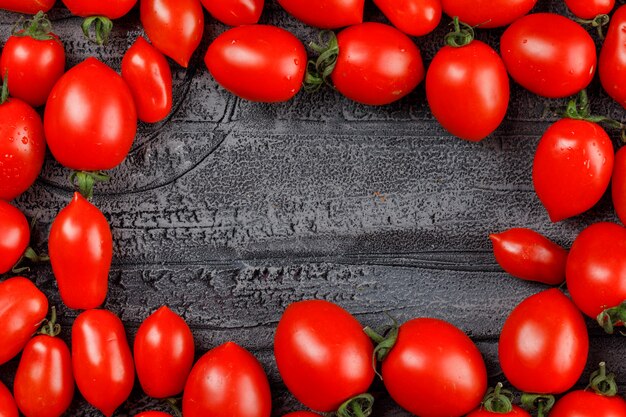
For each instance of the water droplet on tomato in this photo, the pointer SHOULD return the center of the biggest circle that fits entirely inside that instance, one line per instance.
(11, 139)
(296, 61)
(525, 41)
(25, 140)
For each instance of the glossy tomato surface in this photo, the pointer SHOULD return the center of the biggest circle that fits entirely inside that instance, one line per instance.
(618, 185)
(241, 57)
(589, 9)
(544, 344)
(101, 360)
(164, 350)
(8, 408)
(589, 404)
(80, 247)
(227, 381)
(612, 66)
(326, 14)
(469, 74)
(549, 54)
(413, 17)
(235, 12)
(14, 236)
(431, 363)
(487, 13)
(516, 412)
(90, 118)
(113, 9)
(572, 168)
(377, 64)
(27, 6)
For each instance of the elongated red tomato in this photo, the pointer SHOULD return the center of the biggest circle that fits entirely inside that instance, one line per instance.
(27, 6)
(612, 66)
(572, 167)
(102, 136)
(549, 54)
(589, 9)
(544, 344)
(588, 404)
(619, 185)
(487, 13)
(413, 17)
(22, 309)
(149, 78)
(8, 408)
(14, 236)
(227, 382)
(81, 247)
(174, 27)
(242, 56)
(164, 350)
(322, 354)
(475, 74)
(326, 14)
(528, 255)
(235, 12)
(101, 359)
(113, 9)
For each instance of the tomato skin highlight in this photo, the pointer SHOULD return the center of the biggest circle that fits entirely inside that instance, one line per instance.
(235, 12)
(113, 9)
(589, 9)
(544, 344)
(101, 360)
(377, 64)
(27, 6)
(80, 247)
(14, 236)
(487, 14)
(588, 404)
(149, 78)
(470, 74)
(242, 56)
(8, 408)
(516, 412)
(528, 255)
(618, 186)
(215, 385)
(164, 350)
(44, 382)
(549, 54)
(413, 17)
(326, 14)
(433, 361)
(612, 67)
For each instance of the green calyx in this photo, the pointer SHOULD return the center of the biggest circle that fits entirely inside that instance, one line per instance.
(85, 181)
(385, 339)
(462, 35)
(173, 404)
(541, 402)
(602, 383)
(51, 327)
(318, 71)
(359, 406)
(498, 400)
(29, 254)
(598, 22)
(579, 109)
(612, 317)
(39, 28)
(102, 29)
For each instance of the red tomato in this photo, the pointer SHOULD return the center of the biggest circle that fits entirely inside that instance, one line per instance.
(589, 9)
(235, 12)
(612, 67)
(242, 56)
(572, 167)
(164, 350)
(27, 6)
(548, 54)
(474, 74)
(516, 412)
(487, 13)
(22, 309)
(619, 185)
(544, 344)
(174, 27)
(101, 137)
(527, 255)
(326, 14)
(14, 236)
(149, 78)
(377, 64)
(113, 9)
(431, 363)
(322, 354)
(101, 359)
(7, 403)
(34, 59)
(227, 382)
(589, 404)
(413, 17)
(81, 248)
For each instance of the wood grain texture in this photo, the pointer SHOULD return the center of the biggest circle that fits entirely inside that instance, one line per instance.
(229, 210)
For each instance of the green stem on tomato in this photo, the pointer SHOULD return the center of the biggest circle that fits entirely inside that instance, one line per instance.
(318, 71)
(4, 94)
(612, 317)
(602, 383)
(39, 28)
(385, 340)
(543, 403)
(51, 327)
(579, 109)
(85, 181)
(597, 22)
(102, 29)
(498, 400)
(462, 35)
(359, 406)
(173, 404)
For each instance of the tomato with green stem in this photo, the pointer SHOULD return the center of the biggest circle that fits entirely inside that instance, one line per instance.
(619, 184)
(8, 408)
(27, 6)
(592, 12)
(413, 17)
(235, 12)
(487, 14)
(14, 236)
(326, 14)
(100, 14)
(498, 402)
(612, 65)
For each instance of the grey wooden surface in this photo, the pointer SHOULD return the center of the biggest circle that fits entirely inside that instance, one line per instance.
(228, 211)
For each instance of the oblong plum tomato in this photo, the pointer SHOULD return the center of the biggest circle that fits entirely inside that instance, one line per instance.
(589, 9)
(174, 27)
(612, 66)
(306, 333)
(487, 13)
(458, 76)
(432, 361)
(618, 185)
(581, 403)
(572, 167)
(549, 54)
(22, 309)
(164, 350)
(27, 6)
(377, 64)
(544, 344)
(528, 255)
(110, 9)
(235, 12)
(8, 408)
(242, 56)
(228, 381)
(80, 247)
(14, 236)
(149, 78)
(413, 17)
(101, 360)
(101, 137)
(326, 14)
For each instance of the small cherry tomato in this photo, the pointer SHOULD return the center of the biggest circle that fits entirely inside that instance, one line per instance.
(413, 17)
(7, 403)
(101, 359)
(544, 344)
(572, 167)
(149, 78)
(22, 309)
(326, 14)
(227, 382)
(589, 9)
(618, 187)
(527, 255)
(242, 56)
(612, 66)
(549, 54)
(487, 13)
(174, 27)
(164, 350)
(27, 6)
(235, 12)
(14, 236)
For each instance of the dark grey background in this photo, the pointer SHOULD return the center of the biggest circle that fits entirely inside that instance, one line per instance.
(228, 211)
